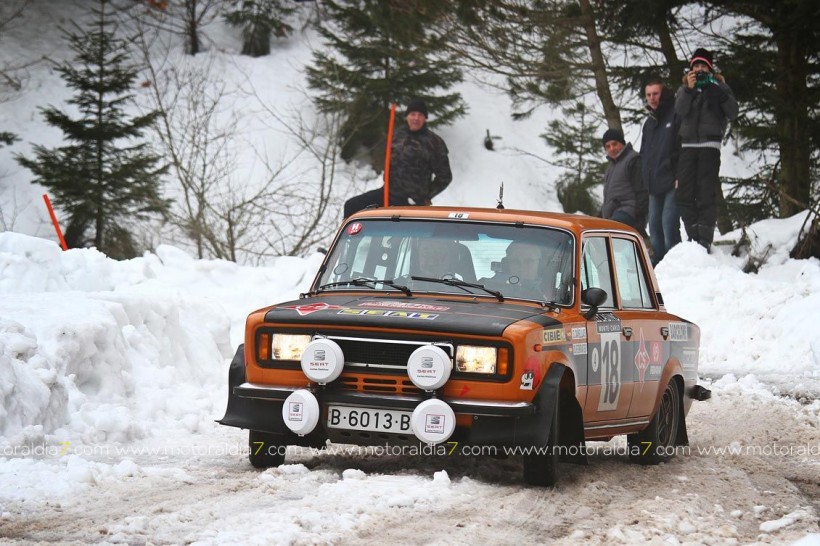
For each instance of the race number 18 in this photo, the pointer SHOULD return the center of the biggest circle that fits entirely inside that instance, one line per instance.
(610, 371)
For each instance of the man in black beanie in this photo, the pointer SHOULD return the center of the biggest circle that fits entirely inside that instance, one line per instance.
(704, 104)
(625, 198)
(419, 164)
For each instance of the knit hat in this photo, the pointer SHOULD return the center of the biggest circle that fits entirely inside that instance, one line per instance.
(613, 134)
(702, 56)
(416, 105)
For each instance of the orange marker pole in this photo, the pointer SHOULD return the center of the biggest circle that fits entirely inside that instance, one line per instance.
(54, 221)
(387, 155)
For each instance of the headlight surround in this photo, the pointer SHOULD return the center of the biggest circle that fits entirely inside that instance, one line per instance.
(288, 346)
(476, 359)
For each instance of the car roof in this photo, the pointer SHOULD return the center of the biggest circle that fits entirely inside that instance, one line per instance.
(573, 222)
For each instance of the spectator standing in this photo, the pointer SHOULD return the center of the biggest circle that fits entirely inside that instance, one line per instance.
(625, 197)
(659, 161)
(704, 104)
(419, 165)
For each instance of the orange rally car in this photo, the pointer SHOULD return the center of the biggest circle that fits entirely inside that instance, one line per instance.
(516, 329)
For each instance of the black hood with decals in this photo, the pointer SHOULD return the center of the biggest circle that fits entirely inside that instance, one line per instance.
(436, 315)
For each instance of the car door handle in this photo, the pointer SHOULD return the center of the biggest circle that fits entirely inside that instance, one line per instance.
(627, 331)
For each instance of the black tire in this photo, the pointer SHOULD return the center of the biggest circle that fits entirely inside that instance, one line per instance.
(266, 450)
(655, 444)
(541, 469)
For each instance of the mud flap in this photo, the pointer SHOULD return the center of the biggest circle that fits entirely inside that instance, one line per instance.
(572, 430)
(535, 430)
(250, 413)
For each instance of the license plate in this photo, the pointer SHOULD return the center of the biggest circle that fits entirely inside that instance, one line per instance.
(374, 420)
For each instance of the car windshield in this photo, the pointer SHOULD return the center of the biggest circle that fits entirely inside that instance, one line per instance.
(525, 262)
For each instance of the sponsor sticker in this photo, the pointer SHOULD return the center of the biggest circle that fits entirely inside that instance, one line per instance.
(553, 336)
(434, 423)
(404, 305)
(655, 352)
(355, 228)
(459, 215)
(678, 331)
(607, 323)
(311, 308)
(579, 332)
(527, 380)
(295, 411)
(642, 358)
(388, 313)
(579, 349)
(689, 359)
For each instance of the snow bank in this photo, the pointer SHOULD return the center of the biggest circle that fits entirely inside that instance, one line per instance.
(93, 350)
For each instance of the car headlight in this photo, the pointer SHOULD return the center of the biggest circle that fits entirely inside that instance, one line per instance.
(288, 346)
(475, 359)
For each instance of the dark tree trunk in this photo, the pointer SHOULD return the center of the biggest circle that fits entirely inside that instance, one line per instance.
(611, 112)
(792, 122)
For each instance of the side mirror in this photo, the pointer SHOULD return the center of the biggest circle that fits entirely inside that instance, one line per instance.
(322, 250)
(594, 297)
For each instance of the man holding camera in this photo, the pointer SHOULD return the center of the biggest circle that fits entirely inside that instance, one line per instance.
(704, 104)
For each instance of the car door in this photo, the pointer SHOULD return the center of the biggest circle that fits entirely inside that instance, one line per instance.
(645, 349)
(609, 378)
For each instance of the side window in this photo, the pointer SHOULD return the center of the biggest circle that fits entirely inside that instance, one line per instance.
(595, 272)
(631, 275)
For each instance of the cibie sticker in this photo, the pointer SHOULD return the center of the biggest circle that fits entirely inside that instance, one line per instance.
(555, 335)
(354, 228)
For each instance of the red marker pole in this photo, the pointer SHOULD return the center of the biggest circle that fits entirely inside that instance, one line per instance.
(387, 155)
(54, 221)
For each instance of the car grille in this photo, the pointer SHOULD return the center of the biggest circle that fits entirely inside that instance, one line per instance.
(370, 384)
(379, 354)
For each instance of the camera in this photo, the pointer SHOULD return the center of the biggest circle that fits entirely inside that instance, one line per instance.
(702, 76)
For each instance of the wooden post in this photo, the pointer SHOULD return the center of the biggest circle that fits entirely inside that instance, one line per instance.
(54, 221)
(387, 155)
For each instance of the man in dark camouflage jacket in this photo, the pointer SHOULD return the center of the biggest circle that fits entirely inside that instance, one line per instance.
(419, 166)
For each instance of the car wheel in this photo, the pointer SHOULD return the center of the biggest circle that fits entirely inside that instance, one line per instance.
(655, 444)
(541, 469)
(265, 449)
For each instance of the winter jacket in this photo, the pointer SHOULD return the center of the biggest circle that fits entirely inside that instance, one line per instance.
(419, 166)
(705, 112)
(623, 187)
(660, 146)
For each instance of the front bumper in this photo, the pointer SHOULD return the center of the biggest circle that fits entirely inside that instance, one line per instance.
(396, 402)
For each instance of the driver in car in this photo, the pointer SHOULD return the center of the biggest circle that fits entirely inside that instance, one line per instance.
(519, 276)
(436, 259)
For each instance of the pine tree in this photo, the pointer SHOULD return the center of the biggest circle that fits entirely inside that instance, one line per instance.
(258, 19)
(580, 150)
(381, 52)
(104, 178)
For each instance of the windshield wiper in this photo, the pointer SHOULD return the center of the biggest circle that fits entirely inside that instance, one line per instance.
(461, 284)
(362, 281)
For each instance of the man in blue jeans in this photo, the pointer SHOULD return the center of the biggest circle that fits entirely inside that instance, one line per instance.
(659, 161)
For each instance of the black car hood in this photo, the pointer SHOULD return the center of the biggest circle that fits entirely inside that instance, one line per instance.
(484, 317)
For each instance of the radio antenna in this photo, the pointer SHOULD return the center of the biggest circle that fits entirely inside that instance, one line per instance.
(500, 204)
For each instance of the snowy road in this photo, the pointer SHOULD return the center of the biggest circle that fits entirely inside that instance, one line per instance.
(202, 490)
